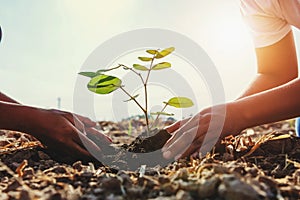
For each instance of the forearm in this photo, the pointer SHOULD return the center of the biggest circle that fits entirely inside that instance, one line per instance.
(15, 116)
(263, 82)
(276, 65)
(269, 106)
(5, 98)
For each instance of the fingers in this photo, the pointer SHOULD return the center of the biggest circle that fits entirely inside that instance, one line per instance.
(84, 124)
(189, 124)
(79, 125)
(203, 142)
(173, 127)
(80, 142)
(81, 152)
(71, 118)
(180, 145)
(210, 140)
(66, 135)
(86, 121)
(85, 143)
(205, 148)
(98, 134)
(195, 154)
(194, 147)
(190, 137)
(79, 122)
(75, 119)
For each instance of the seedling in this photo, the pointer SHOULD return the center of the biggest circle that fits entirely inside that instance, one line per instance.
(101, 83)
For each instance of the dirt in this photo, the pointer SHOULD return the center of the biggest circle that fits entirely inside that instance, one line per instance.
(263, 163)
(146, 144)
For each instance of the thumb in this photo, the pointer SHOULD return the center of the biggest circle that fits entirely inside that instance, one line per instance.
(174, 127)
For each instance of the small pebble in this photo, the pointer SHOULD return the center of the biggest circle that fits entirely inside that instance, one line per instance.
(77, 165)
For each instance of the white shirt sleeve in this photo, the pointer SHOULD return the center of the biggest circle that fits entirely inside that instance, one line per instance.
(265, 20)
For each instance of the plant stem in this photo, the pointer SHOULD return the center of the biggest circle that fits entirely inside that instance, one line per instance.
(155, 121)
(131, 97)
(146, 106)
(115, 67)
(145, 110)
(138, 74)
(146, 94)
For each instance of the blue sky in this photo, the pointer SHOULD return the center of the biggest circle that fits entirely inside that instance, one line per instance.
(46, 42)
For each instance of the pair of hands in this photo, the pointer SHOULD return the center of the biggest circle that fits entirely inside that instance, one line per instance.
(201, 132)
(67, 135)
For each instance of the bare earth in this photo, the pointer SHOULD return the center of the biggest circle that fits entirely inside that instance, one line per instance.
(264, 163)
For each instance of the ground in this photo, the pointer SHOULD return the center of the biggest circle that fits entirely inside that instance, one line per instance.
(264, 163)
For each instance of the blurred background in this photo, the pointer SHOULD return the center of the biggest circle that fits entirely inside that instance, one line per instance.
(46, 42)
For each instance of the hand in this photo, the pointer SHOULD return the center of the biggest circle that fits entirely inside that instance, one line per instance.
(84, 124)
(200, 132)
(66, 134)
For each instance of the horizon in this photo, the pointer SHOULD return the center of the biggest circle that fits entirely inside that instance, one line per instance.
(44, 44)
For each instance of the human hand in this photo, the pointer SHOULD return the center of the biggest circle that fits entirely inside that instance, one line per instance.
(66, 134)
(85, 125)
(200, 132)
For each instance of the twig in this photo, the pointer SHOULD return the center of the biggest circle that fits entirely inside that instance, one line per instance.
(121, 87)
(155, 121)
(146, 92)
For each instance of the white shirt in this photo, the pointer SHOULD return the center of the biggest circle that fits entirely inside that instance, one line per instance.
(270, 20)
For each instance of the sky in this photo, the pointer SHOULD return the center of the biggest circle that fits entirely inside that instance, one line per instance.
(45, 44)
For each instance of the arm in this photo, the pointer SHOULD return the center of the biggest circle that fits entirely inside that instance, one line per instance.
(273, 105)
(277, 65)
(62, 132)
(5, 98)
(257, 106)
(203, 130)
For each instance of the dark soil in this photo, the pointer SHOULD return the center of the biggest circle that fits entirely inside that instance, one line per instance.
(141, 151)
(264, 163)
(144, 144)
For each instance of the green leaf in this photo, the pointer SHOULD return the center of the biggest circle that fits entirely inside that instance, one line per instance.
(152, 51)
(103, 70)
(134, 97)
(162, 113)
(162, 65)
(140, 67)
(104, 84)
(165, 52)
(145, 59)
(106, 70)
(180, 102)
(89, 74)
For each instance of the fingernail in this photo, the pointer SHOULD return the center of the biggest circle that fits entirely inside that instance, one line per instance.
(167, 154)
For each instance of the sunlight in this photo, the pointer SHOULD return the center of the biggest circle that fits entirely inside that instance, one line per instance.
(231, 35)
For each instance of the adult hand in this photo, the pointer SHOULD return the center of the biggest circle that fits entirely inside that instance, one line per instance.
(84, 124)
(66, 134)
(200, 132)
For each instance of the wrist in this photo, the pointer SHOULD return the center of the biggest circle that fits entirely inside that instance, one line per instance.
(235, 118)
(33, 121)
(26, 119)
(17, 117)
